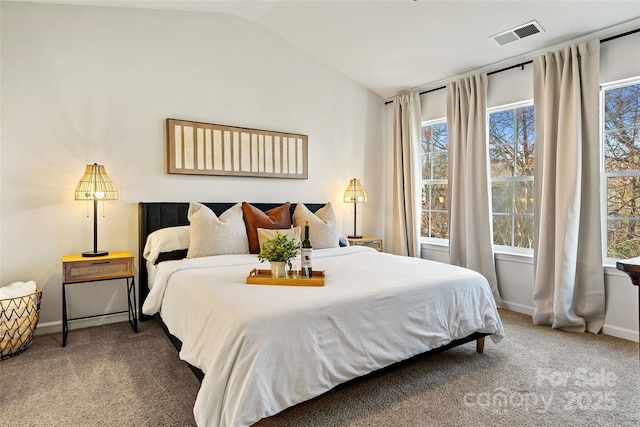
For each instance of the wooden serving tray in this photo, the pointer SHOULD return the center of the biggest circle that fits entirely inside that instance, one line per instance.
(263, 277)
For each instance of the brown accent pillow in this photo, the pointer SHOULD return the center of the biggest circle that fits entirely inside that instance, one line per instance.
(276, 218)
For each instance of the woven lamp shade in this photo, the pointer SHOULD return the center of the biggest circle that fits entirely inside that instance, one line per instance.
(355, 193)
(95, 184)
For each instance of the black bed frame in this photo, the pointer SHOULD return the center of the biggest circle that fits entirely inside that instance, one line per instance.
(153, 216)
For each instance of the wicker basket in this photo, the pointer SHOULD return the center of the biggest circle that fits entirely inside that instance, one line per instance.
(18, 321)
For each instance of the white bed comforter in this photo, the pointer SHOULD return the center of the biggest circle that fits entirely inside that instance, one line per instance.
(266, 348)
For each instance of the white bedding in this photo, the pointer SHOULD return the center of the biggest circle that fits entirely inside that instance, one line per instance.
(265, 348)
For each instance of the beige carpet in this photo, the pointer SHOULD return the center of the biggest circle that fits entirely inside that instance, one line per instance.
(110, 376)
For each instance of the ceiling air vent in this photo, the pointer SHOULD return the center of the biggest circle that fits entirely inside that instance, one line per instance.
(520, 32)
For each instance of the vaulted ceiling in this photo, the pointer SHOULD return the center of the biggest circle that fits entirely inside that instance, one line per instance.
(395, 45)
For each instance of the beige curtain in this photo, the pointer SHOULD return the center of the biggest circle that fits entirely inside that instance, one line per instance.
(569, 278)
(470, 224)
(405, 222)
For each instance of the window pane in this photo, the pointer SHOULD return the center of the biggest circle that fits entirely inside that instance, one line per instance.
(440, 225)
(435, 220)
(524, 158)
(425, 197)
(511, 159)
(439, 197)
(426, 139)
(524, 124)
(623, 196)
(501, 159)
(501, 143)
(622, 107)
(440, 137)
(501, 129)
(524, 196)
(502, 197)
(424, 224)
(622, 150)
(523, 231)
(502, 230)
(440, 165)
(426, 166)
(623, 239)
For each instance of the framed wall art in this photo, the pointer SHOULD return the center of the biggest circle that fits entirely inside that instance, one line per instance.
(195, 148)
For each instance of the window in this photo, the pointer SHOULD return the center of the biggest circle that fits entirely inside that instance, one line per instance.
(435, 217)
(511, 151)
(621, 168)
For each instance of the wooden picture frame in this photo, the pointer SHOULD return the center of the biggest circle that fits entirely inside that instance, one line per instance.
(195, 148)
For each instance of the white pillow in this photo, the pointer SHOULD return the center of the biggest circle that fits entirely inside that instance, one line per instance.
(166, 240)
(210, 235)
(323, 227)
(17, 289)
(265, 234)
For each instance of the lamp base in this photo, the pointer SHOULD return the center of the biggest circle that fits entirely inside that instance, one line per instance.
(355, 237)
(95, 253)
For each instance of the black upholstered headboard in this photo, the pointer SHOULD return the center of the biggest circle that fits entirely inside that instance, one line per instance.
(153, 216)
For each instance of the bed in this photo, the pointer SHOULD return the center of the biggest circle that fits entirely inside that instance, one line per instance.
(262, 349)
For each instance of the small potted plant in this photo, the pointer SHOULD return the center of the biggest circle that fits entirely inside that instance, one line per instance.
(279, 251)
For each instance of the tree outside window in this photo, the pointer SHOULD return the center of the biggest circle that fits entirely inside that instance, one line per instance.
(435, 149)
(621, 164)
(511, 154)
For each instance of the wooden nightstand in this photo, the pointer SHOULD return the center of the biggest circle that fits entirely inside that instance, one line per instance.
(371, 242)
(79, 269)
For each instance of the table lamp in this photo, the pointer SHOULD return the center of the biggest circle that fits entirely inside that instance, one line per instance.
(95, 186)
(355, 194)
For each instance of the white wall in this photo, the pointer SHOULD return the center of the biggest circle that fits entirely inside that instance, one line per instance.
(619, 60)
(88, 84)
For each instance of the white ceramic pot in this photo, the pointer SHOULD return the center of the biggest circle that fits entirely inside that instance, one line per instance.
(278, 269)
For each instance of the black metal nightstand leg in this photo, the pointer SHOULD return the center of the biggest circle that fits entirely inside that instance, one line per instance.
(65, 329)
(131, 289)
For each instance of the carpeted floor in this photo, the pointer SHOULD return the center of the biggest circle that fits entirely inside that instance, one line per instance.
(105, 376)
(537, 376)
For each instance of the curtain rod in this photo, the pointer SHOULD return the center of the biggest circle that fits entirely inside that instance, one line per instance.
(522, 64)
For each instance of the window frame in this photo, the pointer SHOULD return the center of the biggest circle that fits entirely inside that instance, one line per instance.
(604, 175)
(423, 182)
(506, 249)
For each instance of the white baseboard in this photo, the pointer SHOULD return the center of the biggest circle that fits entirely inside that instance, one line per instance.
(614, 331)
(53, 327)
(518, 308)
(626, 334)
